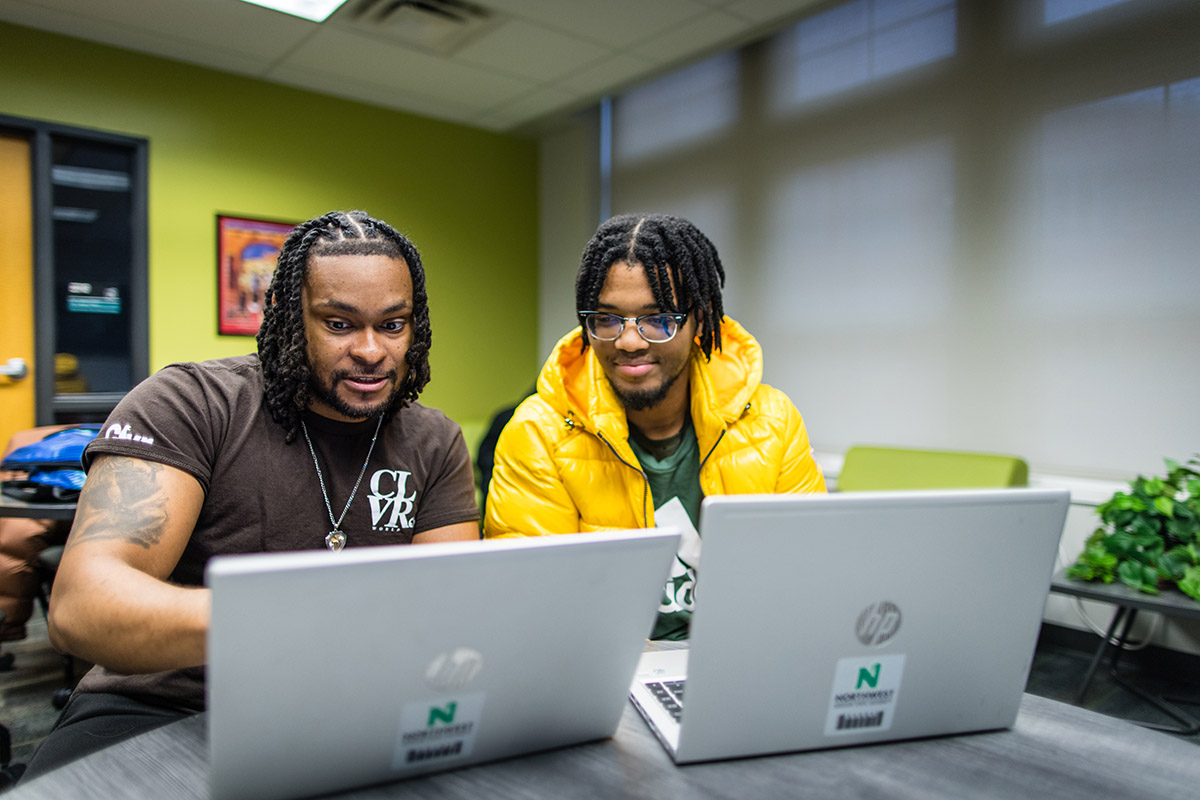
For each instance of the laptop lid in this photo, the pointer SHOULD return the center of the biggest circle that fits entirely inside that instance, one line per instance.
(834, 620)
(333, 670)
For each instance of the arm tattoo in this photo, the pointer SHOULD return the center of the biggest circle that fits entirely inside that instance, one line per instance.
(123, 500)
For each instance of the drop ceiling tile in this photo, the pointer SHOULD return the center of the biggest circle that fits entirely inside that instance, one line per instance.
(702, 35)
(614, 23)
(763, 11)
(355, 57)
(387, 96)
(603, 77)
(524, 109)
(520, 48)
(535, 104)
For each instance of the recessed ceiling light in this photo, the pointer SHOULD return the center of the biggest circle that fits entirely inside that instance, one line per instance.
(316, 10)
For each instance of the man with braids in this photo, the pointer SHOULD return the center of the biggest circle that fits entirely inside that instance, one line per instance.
(317, 441)
(654, 402)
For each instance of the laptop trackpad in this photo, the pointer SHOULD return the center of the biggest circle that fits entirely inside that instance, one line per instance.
(662, 665)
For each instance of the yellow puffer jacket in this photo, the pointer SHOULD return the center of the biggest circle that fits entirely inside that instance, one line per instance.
(564, 465)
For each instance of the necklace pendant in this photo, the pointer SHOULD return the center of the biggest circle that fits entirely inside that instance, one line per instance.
(335, 540)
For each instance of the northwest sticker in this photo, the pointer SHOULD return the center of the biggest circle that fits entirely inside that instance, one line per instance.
(864, 694)
(437, 730)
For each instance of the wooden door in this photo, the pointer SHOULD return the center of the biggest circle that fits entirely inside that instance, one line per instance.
(17, 408)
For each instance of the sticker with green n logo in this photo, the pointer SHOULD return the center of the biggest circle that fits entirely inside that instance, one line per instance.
(864, 696)
(437, 730)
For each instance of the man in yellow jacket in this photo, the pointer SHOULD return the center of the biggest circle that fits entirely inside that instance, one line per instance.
(653, 403)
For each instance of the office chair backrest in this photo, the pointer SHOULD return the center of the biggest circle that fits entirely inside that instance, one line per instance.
(884, 468)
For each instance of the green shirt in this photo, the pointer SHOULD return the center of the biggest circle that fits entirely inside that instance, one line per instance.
(672, 466)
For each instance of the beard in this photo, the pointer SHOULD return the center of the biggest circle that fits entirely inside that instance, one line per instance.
(329, 396)
(642, 399)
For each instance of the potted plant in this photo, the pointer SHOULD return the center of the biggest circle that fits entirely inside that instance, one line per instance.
(1150, 534)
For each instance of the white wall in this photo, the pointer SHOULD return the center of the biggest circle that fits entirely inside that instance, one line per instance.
(569, 209)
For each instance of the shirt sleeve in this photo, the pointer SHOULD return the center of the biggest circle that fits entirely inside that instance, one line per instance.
(171, 418)
(449, 495)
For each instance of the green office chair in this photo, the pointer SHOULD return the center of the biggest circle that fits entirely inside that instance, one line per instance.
(880, 468)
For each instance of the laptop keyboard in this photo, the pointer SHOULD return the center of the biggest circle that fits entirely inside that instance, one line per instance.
(669, 694)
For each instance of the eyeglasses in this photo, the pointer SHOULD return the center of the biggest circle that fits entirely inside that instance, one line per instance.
(656, 328)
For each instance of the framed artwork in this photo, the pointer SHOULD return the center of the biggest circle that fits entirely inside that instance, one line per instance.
(246, 254)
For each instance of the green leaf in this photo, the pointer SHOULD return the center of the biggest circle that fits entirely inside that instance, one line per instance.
(1165, 506)
(1147, 540)
(1190, 584)
(1130, 573)
(1172, 565)
(1145, 526)
(1142, 577)
(1154, 486)
(1119, 543)
(1083, 572)
(1184, 554)
(1172, 464)
(1149, 579)
(1124, 502)
(1183, 529)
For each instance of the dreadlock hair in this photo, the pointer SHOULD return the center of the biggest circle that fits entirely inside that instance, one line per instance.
(282, 345)
(673, 252)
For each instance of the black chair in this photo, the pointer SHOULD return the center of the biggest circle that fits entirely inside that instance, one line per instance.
(10, 773)
(6, 659)
(47, 567)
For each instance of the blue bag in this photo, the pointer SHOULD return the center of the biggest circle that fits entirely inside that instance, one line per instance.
(53, 467)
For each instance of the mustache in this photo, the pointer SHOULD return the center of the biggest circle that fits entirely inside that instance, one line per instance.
(343, 374)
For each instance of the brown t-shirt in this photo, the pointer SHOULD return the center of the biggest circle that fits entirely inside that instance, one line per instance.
(261, 494)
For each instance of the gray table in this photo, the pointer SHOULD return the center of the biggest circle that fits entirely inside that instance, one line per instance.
(10, 507)
(1054, 750)
(1128, 601)
(1170, 601)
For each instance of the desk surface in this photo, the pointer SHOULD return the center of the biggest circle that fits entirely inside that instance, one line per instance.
(10, 507)
(1054, 750)
(1171, 602)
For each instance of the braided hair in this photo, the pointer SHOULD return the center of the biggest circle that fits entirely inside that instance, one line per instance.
(282, 345)
(673, 252)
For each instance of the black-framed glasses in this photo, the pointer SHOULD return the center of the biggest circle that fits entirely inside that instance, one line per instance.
(654, 328)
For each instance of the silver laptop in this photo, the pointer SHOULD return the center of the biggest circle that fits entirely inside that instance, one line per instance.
(835, 620)
(333, 670)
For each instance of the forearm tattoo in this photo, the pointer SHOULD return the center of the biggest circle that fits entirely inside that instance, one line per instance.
(124, 500)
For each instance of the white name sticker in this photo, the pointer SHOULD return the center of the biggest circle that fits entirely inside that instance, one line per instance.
(437, 730)
(864, 694)
(672, 514)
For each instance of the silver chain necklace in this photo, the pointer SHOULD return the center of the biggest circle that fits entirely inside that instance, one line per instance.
(335, 540)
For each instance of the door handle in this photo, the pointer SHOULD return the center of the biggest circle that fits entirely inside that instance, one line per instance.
(14, 369)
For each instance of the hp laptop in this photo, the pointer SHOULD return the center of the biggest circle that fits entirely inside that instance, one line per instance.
(834, 620)
(333, 670)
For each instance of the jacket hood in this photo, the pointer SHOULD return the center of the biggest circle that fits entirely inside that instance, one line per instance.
(575, 386)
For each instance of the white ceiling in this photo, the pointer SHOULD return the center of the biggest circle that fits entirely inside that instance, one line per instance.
(522, 62)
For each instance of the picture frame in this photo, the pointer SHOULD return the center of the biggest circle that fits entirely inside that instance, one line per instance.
(247, 249)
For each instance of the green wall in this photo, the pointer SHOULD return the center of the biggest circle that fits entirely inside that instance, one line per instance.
(225, 144)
